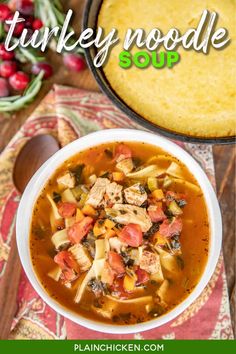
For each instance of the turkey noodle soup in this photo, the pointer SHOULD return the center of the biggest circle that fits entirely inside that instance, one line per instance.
(120, 233)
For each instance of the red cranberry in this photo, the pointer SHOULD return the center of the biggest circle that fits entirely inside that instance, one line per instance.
(37, 24)
(48, 71)
(28, 21)
(4, 88)
(4, 12)
(18, 27)
(25, 7)
(74, 62)
(5, 54)
(19, 81)
(8, 68)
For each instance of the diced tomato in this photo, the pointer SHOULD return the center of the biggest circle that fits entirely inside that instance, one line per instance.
(118, 288)
(108, 274)
(80, 229)
(68, 275)
(132, 235)
(66, 209)
(66, 261)
(122, 152)
(156, 213)
(116, 262)
(142, 276)
(169, 229)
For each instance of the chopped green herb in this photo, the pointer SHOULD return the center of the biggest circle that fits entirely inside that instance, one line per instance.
(108, 153)
(56, 197)
(142, 189)
(77, 173)
(119, 226)
(127, 260)
(136, 162)
(154, 228)
(175, 244)
(89, 243)
(181, 202)
(98, 287)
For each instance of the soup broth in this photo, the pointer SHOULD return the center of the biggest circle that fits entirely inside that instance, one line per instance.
(120, 233)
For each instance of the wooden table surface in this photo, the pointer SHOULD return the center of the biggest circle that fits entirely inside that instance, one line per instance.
(224, 156)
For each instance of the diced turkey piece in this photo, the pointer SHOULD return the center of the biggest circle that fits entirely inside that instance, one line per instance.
(116, 244)
(114, 192)
(135, 194)
(67, 180)
(126, 166)
(130, 214)
(97, 192)
(150, 262)
(81, 256)
(92, 179)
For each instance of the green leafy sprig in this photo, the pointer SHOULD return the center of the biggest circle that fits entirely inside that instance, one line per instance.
(14, 103)
(52, 15)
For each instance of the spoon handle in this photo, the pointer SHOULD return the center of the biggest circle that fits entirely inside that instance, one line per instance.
(9, 289)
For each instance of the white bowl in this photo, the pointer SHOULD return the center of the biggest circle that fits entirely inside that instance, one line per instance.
(38, 181)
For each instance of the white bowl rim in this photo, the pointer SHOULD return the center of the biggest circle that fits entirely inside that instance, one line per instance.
(38, 181)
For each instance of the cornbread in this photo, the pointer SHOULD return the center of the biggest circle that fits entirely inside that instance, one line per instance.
(198, 95)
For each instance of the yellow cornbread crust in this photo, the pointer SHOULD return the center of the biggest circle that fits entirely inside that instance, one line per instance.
(197, 96)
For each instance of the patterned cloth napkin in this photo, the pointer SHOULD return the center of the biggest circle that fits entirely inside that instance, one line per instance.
(69, 113)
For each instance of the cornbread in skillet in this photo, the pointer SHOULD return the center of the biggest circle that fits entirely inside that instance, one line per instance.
(196, 96)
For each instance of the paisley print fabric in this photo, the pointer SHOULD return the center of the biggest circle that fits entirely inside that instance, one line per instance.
(69, 113)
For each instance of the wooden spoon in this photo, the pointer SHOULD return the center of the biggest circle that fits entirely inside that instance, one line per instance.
(34, 153)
